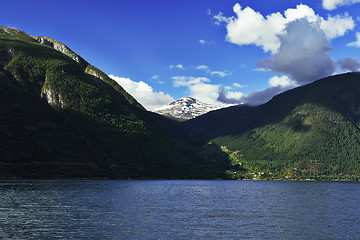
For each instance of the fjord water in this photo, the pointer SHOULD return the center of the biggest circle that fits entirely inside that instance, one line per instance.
(189, 209)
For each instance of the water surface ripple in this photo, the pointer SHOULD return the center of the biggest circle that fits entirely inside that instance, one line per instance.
(189, 209)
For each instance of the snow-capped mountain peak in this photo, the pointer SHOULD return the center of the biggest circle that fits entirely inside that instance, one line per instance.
(187, 108)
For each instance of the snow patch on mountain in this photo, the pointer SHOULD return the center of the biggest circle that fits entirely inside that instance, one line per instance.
(187, 108)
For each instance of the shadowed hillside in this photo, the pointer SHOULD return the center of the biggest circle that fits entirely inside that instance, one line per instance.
(62, 117)
(310, 131)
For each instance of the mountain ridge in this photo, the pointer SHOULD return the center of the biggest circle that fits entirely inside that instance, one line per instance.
(60, 117)
(59, 121)
(311, 131)
(187, 108)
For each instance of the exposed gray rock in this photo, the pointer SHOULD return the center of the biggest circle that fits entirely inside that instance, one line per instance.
(61, 48)
(10, 31)
(53, 98)
(68, 52)
(93, 73)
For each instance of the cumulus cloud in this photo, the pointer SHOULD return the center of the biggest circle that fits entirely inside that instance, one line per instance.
(298, 41)
(143, 93)
(333, 4)
(337, 26)
(283, 82)
(199, 88)
(250, 27)
(235, 95)
(349, 64)
(357, 42)
(207, 93)
(303, 53)
(231, 97)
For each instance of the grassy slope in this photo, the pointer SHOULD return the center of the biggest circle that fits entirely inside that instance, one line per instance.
(311, 131)
(98, 130)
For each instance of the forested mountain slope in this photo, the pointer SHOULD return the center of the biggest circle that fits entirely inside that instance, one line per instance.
(62, 117)
(310, 131)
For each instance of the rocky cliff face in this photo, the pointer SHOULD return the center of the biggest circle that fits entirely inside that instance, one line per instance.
(61, 48)
(9, 31)
(97, 74)
(53, 98)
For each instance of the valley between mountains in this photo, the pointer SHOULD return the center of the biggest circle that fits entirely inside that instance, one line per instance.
(61, 117)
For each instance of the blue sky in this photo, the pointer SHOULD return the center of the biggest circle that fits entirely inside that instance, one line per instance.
(241, 51)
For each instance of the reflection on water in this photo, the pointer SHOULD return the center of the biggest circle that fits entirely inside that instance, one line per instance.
(179, 210)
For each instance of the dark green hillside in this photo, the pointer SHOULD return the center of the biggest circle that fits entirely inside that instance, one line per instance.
(216, 122)
(62, 117)
(310, 131)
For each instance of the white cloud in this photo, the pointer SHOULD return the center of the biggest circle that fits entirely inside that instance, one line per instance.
(202, 67)
(221, 73)
(276, 85)
(250, 27)
(185, 81)
(155, 77)
(199, 88)
(237, 85)
(301, 11)
(205, 42)
(337, 26)
(357, 42)
(143, 93)
(207, 93)
(333, 4)
(179, 66)
(298, 41)
(236, 95)
(214, 73)
(283, 82)
(261, 69)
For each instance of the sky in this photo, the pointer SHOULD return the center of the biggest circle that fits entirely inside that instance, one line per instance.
(226, 51)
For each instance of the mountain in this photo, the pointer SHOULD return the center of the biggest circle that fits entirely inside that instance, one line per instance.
(60, 117)
(187, 108)
(312, 131)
